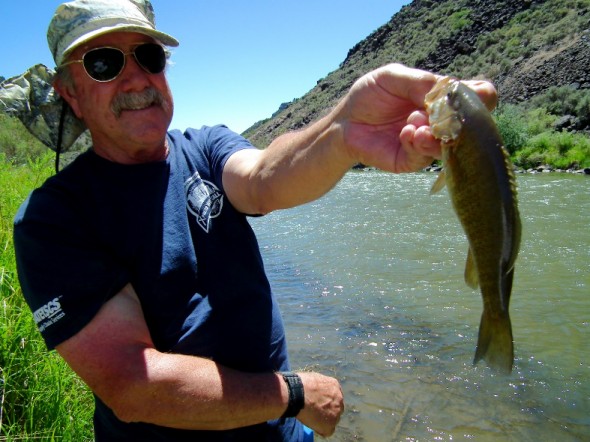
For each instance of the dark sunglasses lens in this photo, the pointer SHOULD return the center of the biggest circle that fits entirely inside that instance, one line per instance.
(151, 57)
(104, 64)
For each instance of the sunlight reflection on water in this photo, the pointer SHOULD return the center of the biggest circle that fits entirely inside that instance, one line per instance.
(370, 281)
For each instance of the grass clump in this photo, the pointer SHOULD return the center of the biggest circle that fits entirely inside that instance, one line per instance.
(17, 145)
(40, 397)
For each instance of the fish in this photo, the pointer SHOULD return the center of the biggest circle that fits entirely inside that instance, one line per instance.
(482, 187)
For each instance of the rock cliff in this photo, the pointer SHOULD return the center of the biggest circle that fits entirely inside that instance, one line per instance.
(523, 46)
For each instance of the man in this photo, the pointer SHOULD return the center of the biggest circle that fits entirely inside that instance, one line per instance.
(138, 261)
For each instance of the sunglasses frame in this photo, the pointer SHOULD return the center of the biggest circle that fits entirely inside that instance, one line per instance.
(125, 54)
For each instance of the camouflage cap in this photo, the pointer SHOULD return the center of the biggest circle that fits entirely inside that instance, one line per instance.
(79, 21)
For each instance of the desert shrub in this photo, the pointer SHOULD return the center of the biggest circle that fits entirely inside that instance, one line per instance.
(539, 120)
(16, 143)
(563, 100)
(460, 19)
(512, 126)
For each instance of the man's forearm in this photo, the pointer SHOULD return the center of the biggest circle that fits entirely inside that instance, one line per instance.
(297, 167)
(191, 393)
(313, 159)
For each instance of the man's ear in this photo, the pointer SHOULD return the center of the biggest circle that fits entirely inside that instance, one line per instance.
(68, 93)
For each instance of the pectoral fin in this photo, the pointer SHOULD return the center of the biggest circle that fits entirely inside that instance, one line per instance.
(471, 278)
(439, 183)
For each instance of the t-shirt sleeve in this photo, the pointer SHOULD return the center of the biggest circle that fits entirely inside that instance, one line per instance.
(218, 144)
(64, 273)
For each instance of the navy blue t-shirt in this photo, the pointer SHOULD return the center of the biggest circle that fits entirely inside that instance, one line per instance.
(169, 230)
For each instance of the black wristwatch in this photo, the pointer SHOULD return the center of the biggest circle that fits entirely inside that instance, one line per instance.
(296, 394)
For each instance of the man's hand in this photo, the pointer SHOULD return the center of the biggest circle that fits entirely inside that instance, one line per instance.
(324, 403)
(384, 120)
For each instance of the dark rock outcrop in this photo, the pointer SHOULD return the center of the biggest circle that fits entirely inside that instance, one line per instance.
(486, 16)
(566, 64)
(436, 35)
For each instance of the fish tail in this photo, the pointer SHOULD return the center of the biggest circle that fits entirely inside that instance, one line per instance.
(494, 344)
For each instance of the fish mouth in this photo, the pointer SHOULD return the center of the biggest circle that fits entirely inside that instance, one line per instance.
(439, 91)
(444, 120)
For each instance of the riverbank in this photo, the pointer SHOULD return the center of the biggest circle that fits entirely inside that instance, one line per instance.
(540, 169)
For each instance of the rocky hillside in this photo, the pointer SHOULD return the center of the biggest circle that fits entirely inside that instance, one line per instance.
(523, 46)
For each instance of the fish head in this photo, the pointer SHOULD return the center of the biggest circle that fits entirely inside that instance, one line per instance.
(443, 104)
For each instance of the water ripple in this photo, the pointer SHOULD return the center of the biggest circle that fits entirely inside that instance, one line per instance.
(369, 279)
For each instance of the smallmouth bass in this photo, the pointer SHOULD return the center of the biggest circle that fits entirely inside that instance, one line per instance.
(482, 187)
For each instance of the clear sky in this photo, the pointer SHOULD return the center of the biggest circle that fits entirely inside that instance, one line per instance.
(237, 61)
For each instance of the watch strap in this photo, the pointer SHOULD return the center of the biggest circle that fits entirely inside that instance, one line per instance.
(296, 394)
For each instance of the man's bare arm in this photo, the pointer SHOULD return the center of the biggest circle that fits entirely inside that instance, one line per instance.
(380, 122)
(115, 356)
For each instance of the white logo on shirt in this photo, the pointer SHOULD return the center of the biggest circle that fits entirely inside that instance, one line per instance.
(48, 314)
(203, 199)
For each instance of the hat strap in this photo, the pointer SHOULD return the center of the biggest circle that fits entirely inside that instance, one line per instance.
(62, 119)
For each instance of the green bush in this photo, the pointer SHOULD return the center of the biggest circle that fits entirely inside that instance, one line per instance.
(559, 149)
(539, 121)
(529, 136)
(565, 100)
(460, 19)
(512, 127)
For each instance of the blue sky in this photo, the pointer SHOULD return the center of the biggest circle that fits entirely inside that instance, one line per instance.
(237, 60)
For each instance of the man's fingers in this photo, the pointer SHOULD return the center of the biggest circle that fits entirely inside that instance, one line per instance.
(418, 118)
(486, 91)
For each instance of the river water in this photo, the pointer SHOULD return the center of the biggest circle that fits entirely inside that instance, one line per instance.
(370, 282)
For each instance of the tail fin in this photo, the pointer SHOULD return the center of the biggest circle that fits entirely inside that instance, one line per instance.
(494, 344)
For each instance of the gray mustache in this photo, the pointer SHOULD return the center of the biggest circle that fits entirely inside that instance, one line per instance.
(138, 100)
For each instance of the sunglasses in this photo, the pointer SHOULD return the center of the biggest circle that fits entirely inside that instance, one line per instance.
(105, 64)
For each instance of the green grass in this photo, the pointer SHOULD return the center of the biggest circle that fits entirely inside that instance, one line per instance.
(40, 397)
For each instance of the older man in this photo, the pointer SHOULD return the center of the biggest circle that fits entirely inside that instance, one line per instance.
(138, 261)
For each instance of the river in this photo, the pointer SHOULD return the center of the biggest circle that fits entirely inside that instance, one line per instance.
(370, 282)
